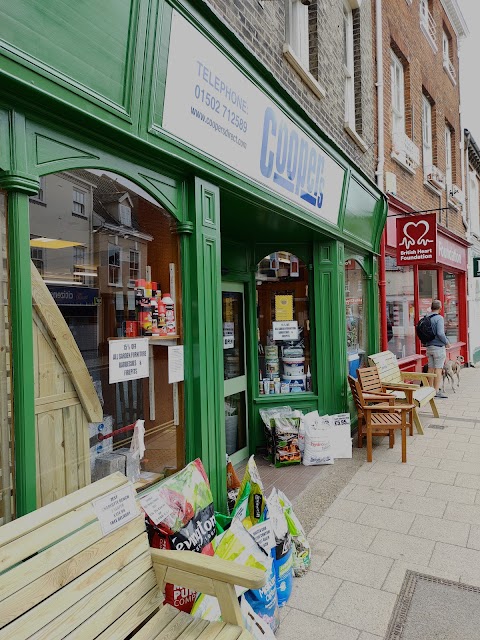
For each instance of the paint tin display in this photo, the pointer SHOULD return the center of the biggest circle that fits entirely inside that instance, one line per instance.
(293, 366)
(272, 368)
(271, 352)
(297, 384)
(284, 387)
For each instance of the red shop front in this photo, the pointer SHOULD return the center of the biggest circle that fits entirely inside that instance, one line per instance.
(431, 263)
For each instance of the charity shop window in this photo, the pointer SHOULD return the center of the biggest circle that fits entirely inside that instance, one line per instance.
(283, 325)
(450, 293)
(110, 347)
(427, 289)
(355, 305)
(400, 308)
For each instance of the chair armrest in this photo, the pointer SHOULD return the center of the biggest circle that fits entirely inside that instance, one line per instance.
(388, 408)
(401, 386)
(216, 569)
(377, 396)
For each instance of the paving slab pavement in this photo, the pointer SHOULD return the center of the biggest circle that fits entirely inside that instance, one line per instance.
(390, 517)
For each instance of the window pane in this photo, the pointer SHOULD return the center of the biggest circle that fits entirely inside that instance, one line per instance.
(450, 291)
(7, 498)
(233, 338)
(283, 324)
(428, 290)
(108, 287)
(356, 315)
(400, 308)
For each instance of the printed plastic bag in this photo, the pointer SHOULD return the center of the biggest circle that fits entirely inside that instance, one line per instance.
(233, 485)
(267, 416)
(179, 515)
(253, 623)
(254, 506)
(238, 546)
(287, 451)
(341, 435)
(283, 548)
(318, 449)
(301, 548)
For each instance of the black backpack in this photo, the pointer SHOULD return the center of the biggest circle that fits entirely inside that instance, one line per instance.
(425, 331)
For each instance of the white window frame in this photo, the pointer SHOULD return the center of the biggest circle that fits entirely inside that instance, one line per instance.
(40, 196)
(121, 217)
(118, 268)
(427, 141)
(427, 24)
(131, 271)
(448, 158)
(445, 47)
(447, 61)
(296, 45)
(398, 95)
(474, 203)
(348, 64)
(79, 254)
(37, 256)
(79, 197)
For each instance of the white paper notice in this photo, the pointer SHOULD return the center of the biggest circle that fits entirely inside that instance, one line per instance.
(287, 330)
(228, 335)
(155, 508)
(116, 508)
(175, 364)
(127, 359)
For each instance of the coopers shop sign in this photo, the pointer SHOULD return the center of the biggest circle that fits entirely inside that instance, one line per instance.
(417, 239)
(209, 104)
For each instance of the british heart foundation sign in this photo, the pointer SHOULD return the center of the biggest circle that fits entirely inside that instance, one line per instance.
(417, 239)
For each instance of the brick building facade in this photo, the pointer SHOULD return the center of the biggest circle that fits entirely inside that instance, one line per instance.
(263, 28)
(422, 165)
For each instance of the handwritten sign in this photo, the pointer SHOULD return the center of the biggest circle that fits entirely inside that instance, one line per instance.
(116, 508)
(155, 508)
(285, 330)
(127, 359)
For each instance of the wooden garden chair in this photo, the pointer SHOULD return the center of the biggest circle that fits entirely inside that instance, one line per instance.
(381, 419)
(371, 384)
(390, 374)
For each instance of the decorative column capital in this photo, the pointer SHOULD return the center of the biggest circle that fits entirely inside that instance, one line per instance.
(185, 228)
(19, 181)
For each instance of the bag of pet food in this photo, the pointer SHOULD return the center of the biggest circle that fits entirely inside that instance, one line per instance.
(179, 515)
(267, 416)
(238, 546)
(254, 623)
(301, 548)
(264, 601)
(283, 548)
(251, 497)
(287, 451)
(318, 449)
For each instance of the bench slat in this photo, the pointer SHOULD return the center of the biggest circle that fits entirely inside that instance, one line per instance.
(155, 625)
(41, 576)
(15, 530)
(212, 632)
(85, 595)
(194, 630)
(174, 628)
(135, 616)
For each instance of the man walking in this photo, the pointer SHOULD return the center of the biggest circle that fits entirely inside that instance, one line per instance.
(436, 348)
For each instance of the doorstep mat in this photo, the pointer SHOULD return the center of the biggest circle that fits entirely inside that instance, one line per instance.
(430, 608)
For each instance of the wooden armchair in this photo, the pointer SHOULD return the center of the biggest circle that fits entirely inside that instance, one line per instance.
(390, 374)
(381, 419)
(371, 384)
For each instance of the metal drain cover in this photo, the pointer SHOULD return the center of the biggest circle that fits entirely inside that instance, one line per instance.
(436, 426)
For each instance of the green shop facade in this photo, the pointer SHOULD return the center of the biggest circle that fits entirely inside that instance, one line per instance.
(180, 244)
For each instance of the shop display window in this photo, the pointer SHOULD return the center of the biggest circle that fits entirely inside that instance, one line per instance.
(107, 271)
(356, 315)
(7, 499)
(428, 290)
(450, 291)
(283, 325)
(400, 308)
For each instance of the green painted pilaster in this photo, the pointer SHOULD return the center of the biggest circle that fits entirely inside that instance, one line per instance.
(205, 428)
(373, 309)
(330, 326)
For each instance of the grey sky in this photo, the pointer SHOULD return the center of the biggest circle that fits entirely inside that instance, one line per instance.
(470, 68)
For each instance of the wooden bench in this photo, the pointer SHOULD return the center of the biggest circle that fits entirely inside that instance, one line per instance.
(390, 374)
(61, 576)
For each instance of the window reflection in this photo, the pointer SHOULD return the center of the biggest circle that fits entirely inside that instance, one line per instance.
(355, 311)
(400, 308)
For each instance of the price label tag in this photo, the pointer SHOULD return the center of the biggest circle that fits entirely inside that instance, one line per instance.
(155, 508)
(285, 330)
(116, 508)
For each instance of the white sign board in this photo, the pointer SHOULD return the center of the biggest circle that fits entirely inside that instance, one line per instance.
(175, 364)
(127, 359)
(116, 508)
(211, 105)
(228, 335)
(155, 507)
(287, 330)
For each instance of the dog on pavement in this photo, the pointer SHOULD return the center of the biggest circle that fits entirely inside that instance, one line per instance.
(450, 369)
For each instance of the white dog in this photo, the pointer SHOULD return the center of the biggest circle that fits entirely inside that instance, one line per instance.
(452, 368)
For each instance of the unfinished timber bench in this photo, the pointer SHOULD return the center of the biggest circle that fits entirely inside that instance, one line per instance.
(82, 568)
(390, 375)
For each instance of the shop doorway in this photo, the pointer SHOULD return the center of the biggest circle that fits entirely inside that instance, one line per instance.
(234, 371)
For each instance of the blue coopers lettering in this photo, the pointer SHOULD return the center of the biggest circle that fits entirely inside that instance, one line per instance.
(293, 162)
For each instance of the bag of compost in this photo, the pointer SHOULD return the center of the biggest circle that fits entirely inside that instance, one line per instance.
(285, 438)
(318, 449)
(283, 548)
(301, 548)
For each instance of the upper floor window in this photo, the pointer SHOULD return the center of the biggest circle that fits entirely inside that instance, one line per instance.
(398, 95)
(427, 23)
(297, 43)
(38, 259)
(125, 215)
(348, 64)
(40, 195)
(114, 265)
(78, 205)
(448, 55)
(427, 134)
(134, 266)
(448, 157)
(79, 264)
